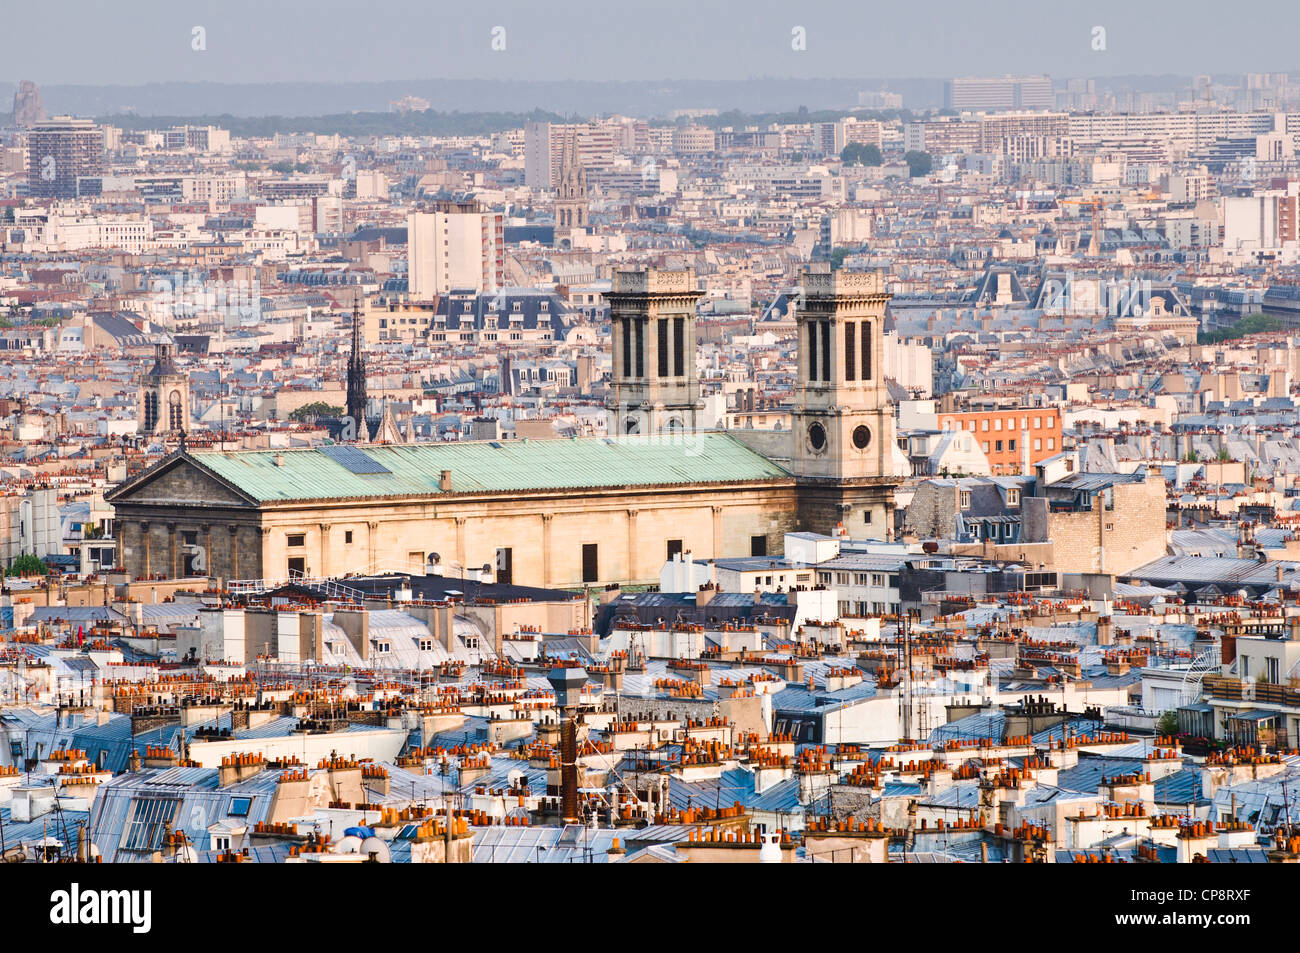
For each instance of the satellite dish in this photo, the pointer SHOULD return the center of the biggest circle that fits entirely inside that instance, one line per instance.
(349, 845)
(515, 777)
(373, 846)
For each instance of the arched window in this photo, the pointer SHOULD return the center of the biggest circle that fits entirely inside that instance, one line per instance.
(175, 414)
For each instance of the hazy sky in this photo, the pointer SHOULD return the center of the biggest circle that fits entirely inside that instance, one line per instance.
(141, 41)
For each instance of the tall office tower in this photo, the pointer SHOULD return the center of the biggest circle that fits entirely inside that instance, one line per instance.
(843, 428)
(59, 151)
(456, 247)
(537, 155)
(597, 144)
(656, 383)
(28, 109)
(991, 93)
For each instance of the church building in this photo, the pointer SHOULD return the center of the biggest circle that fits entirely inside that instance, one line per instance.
(559, 512)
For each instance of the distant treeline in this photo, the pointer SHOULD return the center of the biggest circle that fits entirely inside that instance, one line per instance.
(739, 120)
(358, 124)
(434, 123)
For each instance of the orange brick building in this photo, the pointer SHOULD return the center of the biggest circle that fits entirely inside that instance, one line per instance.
(1006, 434)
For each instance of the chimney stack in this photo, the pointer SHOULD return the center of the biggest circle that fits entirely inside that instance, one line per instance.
(444, 481)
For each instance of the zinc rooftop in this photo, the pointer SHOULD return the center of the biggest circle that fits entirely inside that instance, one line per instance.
(427, 720)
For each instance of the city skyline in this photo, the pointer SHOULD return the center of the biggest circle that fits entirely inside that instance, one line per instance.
(579, 466)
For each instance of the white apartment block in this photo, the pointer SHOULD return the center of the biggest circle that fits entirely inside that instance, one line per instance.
(544, 144)
(461, 251)
(71, 233)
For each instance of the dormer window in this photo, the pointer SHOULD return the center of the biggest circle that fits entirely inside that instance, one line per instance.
(1013, 497)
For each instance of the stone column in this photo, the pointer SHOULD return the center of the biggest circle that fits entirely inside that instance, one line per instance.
(323, 571)
(717, 532)
(265, 544)
(546, 548)
(234, 551)
(172, 568)
(372, 534)
(144, 538)
(631, 545)
(460, 541)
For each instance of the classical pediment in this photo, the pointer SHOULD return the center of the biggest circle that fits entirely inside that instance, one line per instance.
(178, 482)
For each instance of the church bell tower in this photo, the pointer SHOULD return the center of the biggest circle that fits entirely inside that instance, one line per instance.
(164, 396)
(656, 384)
(843, 422)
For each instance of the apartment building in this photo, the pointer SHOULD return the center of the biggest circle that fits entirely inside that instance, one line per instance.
(456, 247)
(1013, 439)
(1004, 92)
(61, 151)
(1267, 220)
(545, 142)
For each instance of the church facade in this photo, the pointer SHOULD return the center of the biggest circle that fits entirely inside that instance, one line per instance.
(562, 512)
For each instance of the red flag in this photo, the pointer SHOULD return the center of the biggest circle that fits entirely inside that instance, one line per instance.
(81, 635)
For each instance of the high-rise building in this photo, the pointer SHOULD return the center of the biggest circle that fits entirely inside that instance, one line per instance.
(28, 109)
(832, 137)
(597, 144)
(993, 92)
(1265, 221)
(59, 152)
(456, 247)
(879, 99)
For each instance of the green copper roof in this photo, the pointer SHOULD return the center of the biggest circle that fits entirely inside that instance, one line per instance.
(489, 466)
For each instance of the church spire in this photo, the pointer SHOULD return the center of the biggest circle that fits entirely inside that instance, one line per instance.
(571, 208)
(357, 375)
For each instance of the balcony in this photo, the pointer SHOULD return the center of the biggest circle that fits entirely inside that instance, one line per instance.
(1237, 689)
